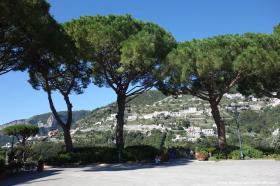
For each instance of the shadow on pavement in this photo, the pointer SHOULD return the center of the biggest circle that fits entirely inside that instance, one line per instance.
(29, 177)
(135, 166)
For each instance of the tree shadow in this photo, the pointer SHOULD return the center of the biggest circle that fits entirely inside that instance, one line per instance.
(29, 177)
(136, 166)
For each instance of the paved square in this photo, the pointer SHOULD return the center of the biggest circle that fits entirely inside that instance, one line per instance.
(175, 173)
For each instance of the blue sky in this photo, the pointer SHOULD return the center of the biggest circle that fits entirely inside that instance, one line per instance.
(185, 19)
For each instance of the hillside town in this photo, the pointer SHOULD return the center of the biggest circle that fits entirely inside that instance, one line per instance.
(193, 110)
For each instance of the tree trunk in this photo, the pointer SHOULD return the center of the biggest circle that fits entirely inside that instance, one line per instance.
(67, 136)
(119, 127)
(220, 125)
(65, 126)
(23, 141)
(67, 139)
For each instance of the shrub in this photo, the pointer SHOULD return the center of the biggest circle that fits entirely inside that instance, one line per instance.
(62, 159)
(211, 149)
(46, 150)
(180, 152)
(235, 155)
(213, 158)
(223, 154)
(140, 153)
(95, 154)
(84, 155)
(109, 155)
(273, 156)
(14, 167)
(250, 152)
(277, 151)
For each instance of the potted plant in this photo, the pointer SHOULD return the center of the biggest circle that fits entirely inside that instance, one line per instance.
(201, 155)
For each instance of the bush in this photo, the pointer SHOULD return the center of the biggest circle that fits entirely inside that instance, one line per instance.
(46, 150)
(273, 156)
(250, 152)
(233, 152)
(84, 155)
(140, 153)
(213, 158)
(180, 152)
(14, 167)
(95, 154)
(223, 154)
(61, 159)
(235, 155)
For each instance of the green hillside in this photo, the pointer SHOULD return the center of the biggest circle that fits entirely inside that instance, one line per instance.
(258, 121)
(156, 117)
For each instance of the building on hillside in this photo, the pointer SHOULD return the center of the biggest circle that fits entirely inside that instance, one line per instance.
(132, 117)
(192, 110)
(192, 139)
(111, 117)
(179, 138)
(6, 146)
(252, 98)
(194, 132)
(208, 132)
(256, 107)
(73, 131)
(274, 102)
(53, 133)
(276, 132)
(40, 124)
(234, 96)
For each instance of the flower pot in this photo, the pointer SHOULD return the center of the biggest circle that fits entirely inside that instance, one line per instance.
(201, 156)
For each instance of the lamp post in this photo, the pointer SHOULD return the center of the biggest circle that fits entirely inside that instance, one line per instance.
(235, 107)
(238, 133)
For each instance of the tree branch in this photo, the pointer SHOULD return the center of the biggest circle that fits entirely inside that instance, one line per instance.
(137, 94)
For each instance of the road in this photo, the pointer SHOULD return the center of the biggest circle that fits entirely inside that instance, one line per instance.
(175, 173)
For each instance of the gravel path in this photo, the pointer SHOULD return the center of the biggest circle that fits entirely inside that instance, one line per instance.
(175, 173)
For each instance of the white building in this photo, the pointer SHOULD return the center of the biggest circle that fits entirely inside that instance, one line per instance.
(234, 96)
(192, 139)
(192, 110)
(208, 132)
(53, 133)
(132, 118)
(274, 102)
(276, 132)
(194, 132)
(179, 138)
(111, 117)
(255, 107)
(6, 146)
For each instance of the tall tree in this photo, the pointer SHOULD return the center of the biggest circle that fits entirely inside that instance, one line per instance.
(23, 25)
(31, 39)
(206, 69)
(124, 53)
(65, 77)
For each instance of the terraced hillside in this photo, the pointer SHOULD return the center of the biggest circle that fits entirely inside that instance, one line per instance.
(186, 117)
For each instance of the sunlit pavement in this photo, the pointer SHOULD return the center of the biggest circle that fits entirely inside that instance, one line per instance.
(175, 173)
